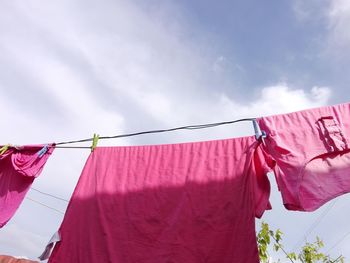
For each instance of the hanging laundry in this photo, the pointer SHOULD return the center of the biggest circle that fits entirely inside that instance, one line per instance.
(9, 259)
(19, 166)
(189, 202)
(311, 152)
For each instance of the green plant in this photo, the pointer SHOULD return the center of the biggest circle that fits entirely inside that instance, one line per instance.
(309, 253)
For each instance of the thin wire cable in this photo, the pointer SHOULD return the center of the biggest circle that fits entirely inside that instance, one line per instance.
(315, 224)
(338, 242)
(53, 196)
(42, 204)
(190, 127)
(285, 252)
(337, 259)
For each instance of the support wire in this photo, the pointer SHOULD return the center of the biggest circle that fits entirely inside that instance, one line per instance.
(190, 127)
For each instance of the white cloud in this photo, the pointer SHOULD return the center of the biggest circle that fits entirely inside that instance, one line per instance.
(279, 99)
(133, 58)
(269, 101)
(110, 66)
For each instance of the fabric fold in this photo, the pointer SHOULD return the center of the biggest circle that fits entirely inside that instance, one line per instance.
(310, 149)
(19, 166)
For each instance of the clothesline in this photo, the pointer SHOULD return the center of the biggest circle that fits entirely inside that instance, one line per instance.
(189, 127)
(314, 224)
(42, 204)
(51, 195)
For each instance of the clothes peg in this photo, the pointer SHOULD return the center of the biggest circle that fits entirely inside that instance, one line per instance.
(259, 134)
(4, 148)
(43, 151)
(94, 141)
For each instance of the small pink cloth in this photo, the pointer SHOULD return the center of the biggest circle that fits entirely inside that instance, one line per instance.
(185, 203)
(19, 166)
(312, 154)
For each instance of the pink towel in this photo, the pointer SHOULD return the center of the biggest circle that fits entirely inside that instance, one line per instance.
(311, 151)
(19, 166)
(185, 203)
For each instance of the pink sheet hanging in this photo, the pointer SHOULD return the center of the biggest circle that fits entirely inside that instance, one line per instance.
(189, 202)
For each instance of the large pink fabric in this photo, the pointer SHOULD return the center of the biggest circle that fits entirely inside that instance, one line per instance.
(19, 166)
(177, 203)
(311, 152)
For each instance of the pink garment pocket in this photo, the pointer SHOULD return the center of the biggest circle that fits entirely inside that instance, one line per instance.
(326, 174)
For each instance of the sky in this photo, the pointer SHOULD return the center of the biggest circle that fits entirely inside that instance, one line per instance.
(69, 69)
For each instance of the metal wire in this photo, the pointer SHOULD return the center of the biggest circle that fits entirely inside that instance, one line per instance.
(42, 204)
(190, 127)
(53, 196)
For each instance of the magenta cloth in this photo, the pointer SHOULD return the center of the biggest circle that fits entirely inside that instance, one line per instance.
(185, 203)
(311, 152)
(19, 166)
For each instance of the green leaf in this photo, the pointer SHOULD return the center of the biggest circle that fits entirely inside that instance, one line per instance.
(292, 256)
(278, 235)
(276, 247)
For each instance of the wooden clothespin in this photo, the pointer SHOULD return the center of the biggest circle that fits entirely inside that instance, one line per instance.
(94, 141)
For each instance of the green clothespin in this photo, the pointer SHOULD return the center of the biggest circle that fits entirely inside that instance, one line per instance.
(4, 149)
(94, 141)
